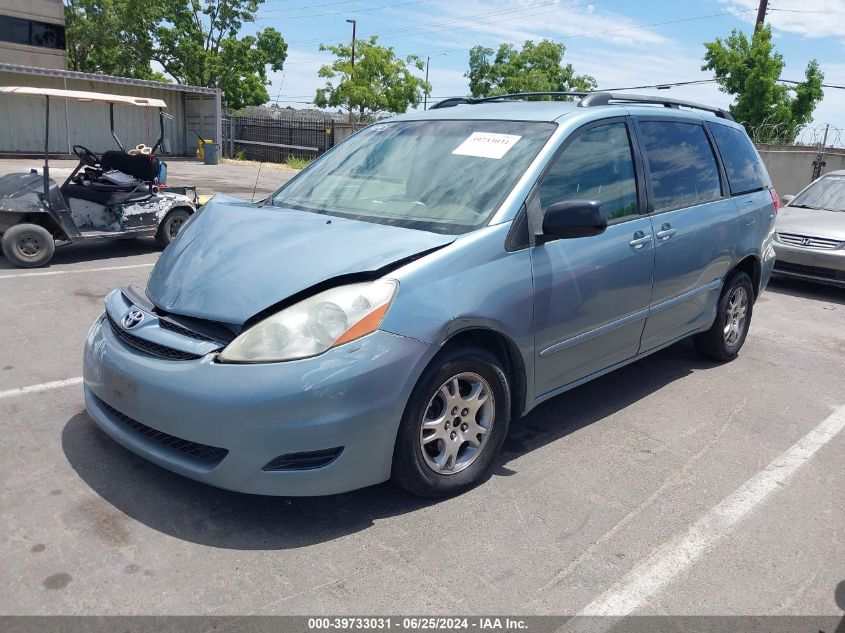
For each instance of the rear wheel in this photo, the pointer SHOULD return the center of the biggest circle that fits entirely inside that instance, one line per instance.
(454, 425)
(28, 245)
(171, 225)
(724, 339)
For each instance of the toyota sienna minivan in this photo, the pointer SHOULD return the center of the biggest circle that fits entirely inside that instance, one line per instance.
(390, 310)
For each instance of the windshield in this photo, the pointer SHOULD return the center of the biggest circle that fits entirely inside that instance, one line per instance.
(828, 193)
(440, 176)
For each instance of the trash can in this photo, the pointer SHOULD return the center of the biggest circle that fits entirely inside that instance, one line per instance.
(212, 153)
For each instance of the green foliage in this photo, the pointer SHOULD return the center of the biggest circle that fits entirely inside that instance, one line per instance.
(240, 154)
(197, 42)
(381, 81)
(111, 37)
(749, 70)
(535, 68)
(294, 162)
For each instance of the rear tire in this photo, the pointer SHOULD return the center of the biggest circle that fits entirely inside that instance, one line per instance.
(725, 338)
(454, 424)
(28, 245)
(171, 225)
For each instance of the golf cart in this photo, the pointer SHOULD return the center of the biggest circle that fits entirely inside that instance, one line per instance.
(116, 195)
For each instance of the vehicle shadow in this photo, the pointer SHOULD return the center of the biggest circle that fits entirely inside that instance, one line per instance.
(198, 513)
(806, 290)
(93, 252)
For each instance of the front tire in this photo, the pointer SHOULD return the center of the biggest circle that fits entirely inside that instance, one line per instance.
(725, 338)
(171, 225)
(454, 424)
(28, 245)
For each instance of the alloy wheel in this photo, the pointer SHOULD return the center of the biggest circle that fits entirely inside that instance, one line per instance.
(457, 423)
(736, 315)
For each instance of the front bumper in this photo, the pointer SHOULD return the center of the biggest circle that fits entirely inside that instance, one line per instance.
(813, 264)
(352, 397)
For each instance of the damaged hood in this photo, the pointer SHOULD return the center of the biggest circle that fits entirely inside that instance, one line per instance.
(235, 259)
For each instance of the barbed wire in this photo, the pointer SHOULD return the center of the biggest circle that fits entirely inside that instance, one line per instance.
(814, 135)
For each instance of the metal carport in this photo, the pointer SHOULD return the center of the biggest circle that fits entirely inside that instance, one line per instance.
(21, 118)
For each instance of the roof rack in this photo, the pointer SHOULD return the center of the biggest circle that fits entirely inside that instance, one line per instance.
(591, 99)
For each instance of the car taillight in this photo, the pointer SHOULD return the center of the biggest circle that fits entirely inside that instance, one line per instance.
(775, 198)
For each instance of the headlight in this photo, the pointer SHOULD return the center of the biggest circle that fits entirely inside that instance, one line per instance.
(314, 325)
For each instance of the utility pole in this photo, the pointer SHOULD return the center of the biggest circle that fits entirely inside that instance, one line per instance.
(352, 72)
(427, 61)
(761, 15)
(425, 98)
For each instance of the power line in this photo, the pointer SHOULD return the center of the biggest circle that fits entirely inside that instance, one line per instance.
(311, 6)
(638, 26)
(346, 12)
(807, 12)
(474, 18)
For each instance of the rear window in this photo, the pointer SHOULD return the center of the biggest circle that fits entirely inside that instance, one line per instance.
(682, 165)
(745, 173)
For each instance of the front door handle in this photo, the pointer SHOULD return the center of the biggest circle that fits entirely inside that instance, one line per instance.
(640, 240)
(666, 231)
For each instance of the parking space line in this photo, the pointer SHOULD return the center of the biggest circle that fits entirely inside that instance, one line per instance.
(75, 270)
(45, 386)
(672, 558)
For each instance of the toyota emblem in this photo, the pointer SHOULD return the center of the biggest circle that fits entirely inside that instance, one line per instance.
(132, 319)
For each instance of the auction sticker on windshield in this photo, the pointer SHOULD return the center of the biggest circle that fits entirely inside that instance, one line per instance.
(486, 145)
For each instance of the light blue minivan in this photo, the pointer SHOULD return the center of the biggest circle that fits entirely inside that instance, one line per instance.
(391, 309)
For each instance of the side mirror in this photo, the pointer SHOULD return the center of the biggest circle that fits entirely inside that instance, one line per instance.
(787, 198)
(574, 218)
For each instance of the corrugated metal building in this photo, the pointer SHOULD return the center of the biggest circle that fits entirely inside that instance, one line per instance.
(22, 118)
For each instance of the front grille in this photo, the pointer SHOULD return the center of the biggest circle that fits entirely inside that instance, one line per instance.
(813, 271)
(153, 349)
(304, 461)
(201, 453)
(175, 327)
(808, 241)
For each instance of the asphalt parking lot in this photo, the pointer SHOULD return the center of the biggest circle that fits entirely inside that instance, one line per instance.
(671, 486)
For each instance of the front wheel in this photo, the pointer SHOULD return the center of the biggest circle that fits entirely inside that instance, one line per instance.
(171, 225)
(724, 339)
(454, 424)
(28, 245)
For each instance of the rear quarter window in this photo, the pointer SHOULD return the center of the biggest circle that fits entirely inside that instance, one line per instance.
(682, 165)
(745, 171)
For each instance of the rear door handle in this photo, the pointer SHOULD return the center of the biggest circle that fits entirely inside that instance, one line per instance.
(640, 240)
(666, 231)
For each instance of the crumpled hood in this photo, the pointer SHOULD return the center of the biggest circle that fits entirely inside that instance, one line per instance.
(812, 222)
(236, 259)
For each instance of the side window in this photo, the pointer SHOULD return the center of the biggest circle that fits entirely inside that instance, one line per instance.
(745, 173)
(597, 165)
(683, 167)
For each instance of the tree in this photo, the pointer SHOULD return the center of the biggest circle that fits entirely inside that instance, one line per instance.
(380, 81)
(196, 42)
(111, 37)
(535, 68)
(750, 71)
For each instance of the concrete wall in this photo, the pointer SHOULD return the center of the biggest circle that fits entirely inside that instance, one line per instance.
(791, 166)
(72, 122)
(50, 11)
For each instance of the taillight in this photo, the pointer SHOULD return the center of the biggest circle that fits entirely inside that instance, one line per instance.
(775, 198)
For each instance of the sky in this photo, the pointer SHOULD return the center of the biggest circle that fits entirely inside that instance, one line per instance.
(621, 43)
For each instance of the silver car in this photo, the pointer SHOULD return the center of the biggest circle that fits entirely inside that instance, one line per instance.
(810, 237)
(388, 312)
